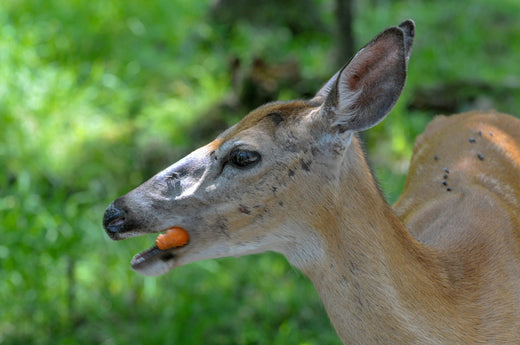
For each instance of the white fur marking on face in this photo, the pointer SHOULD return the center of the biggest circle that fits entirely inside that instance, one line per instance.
(157, 268)
(211, 188)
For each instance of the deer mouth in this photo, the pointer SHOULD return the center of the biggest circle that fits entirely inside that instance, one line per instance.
(153, 261)
(156, 261)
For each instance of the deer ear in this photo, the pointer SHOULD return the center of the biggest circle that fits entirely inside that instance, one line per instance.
(364, 91)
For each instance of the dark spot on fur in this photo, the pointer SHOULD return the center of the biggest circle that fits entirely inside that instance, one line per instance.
(479, 133)
(244, 209)
(275, 117)
(472, 140)
(448, 189)
(445, 176)
(222, 225)
(353, 268)
(446, 170)
(290, 173)
(480, 156)
(435, 158)
(338, 148)
(444, 183)
(280, 203)
(305, 165)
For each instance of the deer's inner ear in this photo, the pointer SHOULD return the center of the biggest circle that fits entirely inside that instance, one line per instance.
(365, 90)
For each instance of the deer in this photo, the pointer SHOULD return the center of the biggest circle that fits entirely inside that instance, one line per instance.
(440, 266)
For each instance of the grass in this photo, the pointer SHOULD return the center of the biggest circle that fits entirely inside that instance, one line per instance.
(97, 96)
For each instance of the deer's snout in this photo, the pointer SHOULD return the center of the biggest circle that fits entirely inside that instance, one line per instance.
(114, 220)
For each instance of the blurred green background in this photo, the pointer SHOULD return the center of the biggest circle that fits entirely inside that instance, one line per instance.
(97, 96)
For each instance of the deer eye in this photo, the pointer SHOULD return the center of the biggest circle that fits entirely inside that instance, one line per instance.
(243, 158)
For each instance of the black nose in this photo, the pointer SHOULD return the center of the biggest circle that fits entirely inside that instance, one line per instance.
(114, 220)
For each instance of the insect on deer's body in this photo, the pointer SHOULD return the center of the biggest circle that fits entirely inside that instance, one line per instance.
(443, 268)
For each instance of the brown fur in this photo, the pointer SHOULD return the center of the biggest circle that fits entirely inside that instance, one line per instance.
(442, 267)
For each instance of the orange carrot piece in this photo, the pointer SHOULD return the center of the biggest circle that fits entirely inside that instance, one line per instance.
(174, 237)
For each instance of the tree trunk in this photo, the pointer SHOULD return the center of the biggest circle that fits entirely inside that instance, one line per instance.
(345, 36)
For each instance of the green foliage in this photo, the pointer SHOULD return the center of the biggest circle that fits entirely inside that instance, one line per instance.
(96, 96)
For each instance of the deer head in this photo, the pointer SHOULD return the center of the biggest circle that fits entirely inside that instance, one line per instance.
(268, 182)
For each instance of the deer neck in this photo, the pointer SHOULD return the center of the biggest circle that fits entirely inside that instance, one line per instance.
(374, 278)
